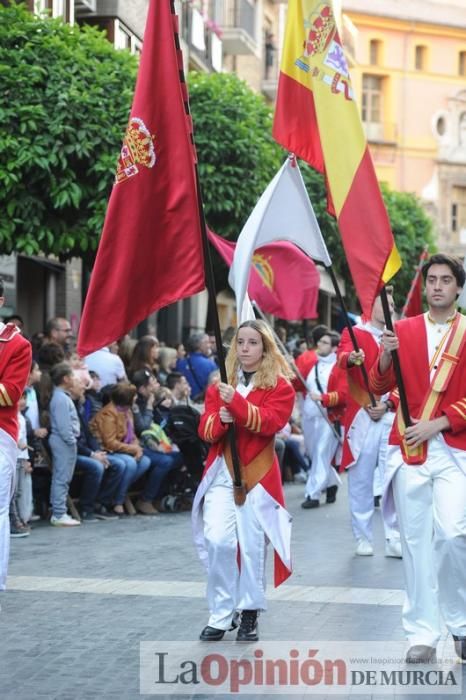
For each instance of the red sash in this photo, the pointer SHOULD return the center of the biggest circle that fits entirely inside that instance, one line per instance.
(438, 386)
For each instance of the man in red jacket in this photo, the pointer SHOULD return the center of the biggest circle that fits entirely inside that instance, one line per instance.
(366, 431)
(15, 365)
(427, 460)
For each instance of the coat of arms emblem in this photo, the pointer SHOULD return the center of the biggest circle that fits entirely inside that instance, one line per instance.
(137, 149)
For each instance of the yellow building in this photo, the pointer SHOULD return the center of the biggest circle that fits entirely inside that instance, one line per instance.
(409, 75)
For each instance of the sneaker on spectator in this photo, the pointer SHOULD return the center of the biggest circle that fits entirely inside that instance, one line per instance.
(19, 531)
(103, 513)
(300, 477)
(88, 517)
(34, 518)
(64, 520)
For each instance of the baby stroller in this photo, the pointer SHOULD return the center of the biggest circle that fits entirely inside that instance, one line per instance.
(182, 426)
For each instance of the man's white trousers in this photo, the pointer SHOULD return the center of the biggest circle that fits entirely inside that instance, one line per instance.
(321, 446)
(8, 451)
(431, 506)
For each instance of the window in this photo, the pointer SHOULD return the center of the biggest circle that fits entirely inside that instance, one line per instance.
(462, 63)
(441, 126)
(458, 213)
(375, 48)
(462, 129)
(420, 58)
(122, 38)
(454, 217)
(372, 99)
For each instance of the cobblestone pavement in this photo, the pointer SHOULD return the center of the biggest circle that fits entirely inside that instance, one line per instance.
(80, 600)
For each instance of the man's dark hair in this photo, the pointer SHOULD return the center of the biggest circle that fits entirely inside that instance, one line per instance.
(318, 332)
(13, 317)
(59, 372)
(50, 354)
(51, 325)
(123, 394)
(172, 379)
(455, 265)
(334, 339)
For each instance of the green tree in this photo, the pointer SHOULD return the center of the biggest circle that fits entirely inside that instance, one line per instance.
(65, 95)
(236, 152)
(412, 229)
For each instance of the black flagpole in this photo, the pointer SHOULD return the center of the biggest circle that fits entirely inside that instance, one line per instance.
(350, 330)
(238, 485)
(396, 360)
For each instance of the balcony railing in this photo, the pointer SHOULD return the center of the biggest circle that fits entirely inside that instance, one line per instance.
(271, 70)
(237, 19)
(83, 8)
(205, 47)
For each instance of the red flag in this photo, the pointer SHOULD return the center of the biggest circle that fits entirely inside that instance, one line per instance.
(413, 304)
(150, 254)
(284, 281)
(316, 118)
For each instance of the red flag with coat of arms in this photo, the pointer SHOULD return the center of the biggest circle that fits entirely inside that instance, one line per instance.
(316, 118)
(150, 254)
(284, 281)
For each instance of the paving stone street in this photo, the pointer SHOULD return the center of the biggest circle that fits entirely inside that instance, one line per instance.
(80, 600)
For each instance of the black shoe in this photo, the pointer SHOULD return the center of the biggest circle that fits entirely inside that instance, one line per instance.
(377, 501)
(310, 503)
(248, 629)
(103, 513)
(332, 494)
(87, 517)
(421, 654)
(235, 621)
(211, 634)
(460, 647)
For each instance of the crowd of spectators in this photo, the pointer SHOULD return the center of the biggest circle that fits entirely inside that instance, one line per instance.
(115, 432)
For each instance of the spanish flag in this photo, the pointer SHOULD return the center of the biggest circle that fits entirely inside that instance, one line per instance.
(317, 119)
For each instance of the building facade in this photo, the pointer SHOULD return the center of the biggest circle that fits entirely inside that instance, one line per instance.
(409, 75)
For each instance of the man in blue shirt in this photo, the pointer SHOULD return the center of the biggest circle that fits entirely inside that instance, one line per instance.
(197, 365)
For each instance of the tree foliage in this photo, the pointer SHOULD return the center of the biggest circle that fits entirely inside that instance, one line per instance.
(65, 95)
(412, 229)
(236, 152)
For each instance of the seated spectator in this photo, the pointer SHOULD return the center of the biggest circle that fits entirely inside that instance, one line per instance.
(180, 351)
(179, 387)
(164, 456)
(125, 348)
(145, 355)
(80, 370)
(64, 432)
(197, 365)
(93, 397)
(101, 472)
(167, 363)
(113, 426)
(108, 365)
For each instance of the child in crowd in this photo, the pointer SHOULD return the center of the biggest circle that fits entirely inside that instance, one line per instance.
(21, 503)
(64, 433)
